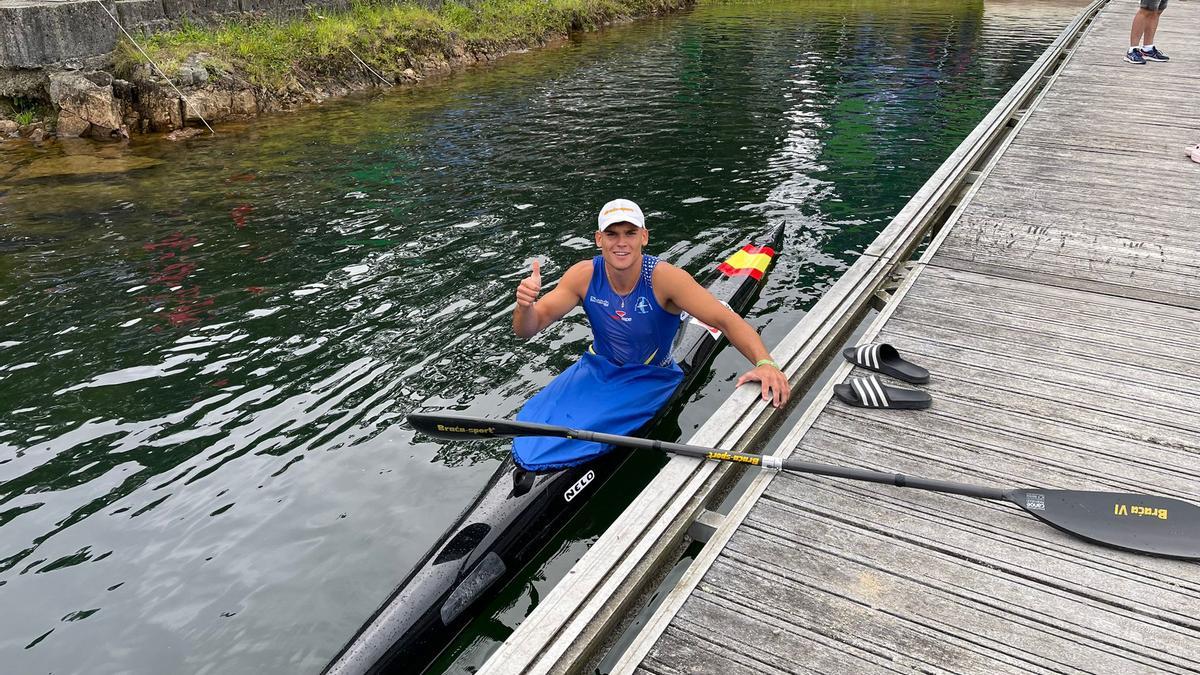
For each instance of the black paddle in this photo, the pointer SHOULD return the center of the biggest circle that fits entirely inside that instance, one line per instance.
(1158, 526)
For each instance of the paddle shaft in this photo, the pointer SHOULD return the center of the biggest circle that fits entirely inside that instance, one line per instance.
(1147, 524)
(767, 462)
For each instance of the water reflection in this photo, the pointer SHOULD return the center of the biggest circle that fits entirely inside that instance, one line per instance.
(206, 350)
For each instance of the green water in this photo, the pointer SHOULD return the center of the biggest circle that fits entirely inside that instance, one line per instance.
(207, 348)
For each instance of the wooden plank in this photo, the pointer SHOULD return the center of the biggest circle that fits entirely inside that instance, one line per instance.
(747, 628)
(1000, 609)
(1157, 142)
(1164, 109)
(1058, 181)
(842, 634)
(1052, 176)
(1144, 225)
(1009, 455)
(1081, 165)
(1072, 279)
(997, 537)
(1108, 277)
(1050, 309)
(681, 651)
(1105, 258)
(1054, 346)
(1055, 413)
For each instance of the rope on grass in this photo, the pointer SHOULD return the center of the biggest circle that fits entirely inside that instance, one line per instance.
(160, 72)
(364, 65)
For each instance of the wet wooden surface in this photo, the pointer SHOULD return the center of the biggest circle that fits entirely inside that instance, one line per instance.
(1058, 316)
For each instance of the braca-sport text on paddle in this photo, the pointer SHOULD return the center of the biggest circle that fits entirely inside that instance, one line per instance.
(1148, 524)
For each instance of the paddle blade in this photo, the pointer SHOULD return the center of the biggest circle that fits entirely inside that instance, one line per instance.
(467, 427)
(1158, 526)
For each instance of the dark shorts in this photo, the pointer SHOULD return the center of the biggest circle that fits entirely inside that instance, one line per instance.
(1154, 5)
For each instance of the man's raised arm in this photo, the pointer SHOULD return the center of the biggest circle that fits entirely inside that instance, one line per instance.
(532, 313)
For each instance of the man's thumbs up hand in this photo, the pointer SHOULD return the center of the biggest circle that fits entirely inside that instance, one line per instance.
(530, 287)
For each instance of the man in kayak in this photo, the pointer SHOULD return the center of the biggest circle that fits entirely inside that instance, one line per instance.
(633, 302)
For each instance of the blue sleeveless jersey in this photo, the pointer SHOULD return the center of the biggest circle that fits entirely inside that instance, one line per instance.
(618, 386)
(632, 328)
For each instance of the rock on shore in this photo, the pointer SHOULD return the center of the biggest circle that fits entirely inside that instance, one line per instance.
(96, 104)
(86, 105)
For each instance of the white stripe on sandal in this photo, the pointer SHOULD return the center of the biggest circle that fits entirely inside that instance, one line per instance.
(870, 392)
(867, 356)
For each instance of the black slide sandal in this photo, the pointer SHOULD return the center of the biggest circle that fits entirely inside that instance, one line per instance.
(870, 392)
(883, 358)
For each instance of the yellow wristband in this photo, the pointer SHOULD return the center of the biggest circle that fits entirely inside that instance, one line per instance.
(766, 362)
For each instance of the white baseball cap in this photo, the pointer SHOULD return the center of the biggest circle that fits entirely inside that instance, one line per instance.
(620, 211)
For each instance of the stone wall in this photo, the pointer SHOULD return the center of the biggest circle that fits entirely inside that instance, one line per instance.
(76, 33)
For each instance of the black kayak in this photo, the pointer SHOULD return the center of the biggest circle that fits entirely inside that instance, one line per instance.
(519, 511)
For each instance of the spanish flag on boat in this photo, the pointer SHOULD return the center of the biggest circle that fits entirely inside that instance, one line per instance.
(752, 260)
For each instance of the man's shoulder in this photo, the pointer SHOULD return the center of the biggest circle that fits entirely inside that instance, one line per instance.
(669, 273)
(583, 267)
(670, 282)
(578, 276)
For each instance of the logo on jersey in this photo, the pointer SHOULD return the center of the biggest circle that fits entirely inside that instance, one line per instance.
(620, 314)
(598, 301)
(642, 306)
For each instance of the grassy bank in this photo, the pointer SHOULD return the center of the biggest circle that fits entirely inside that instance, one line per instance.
(387, 36)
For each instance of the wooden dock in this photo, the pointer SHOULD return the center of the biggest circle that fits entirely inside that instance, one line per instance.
(1058, 312)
